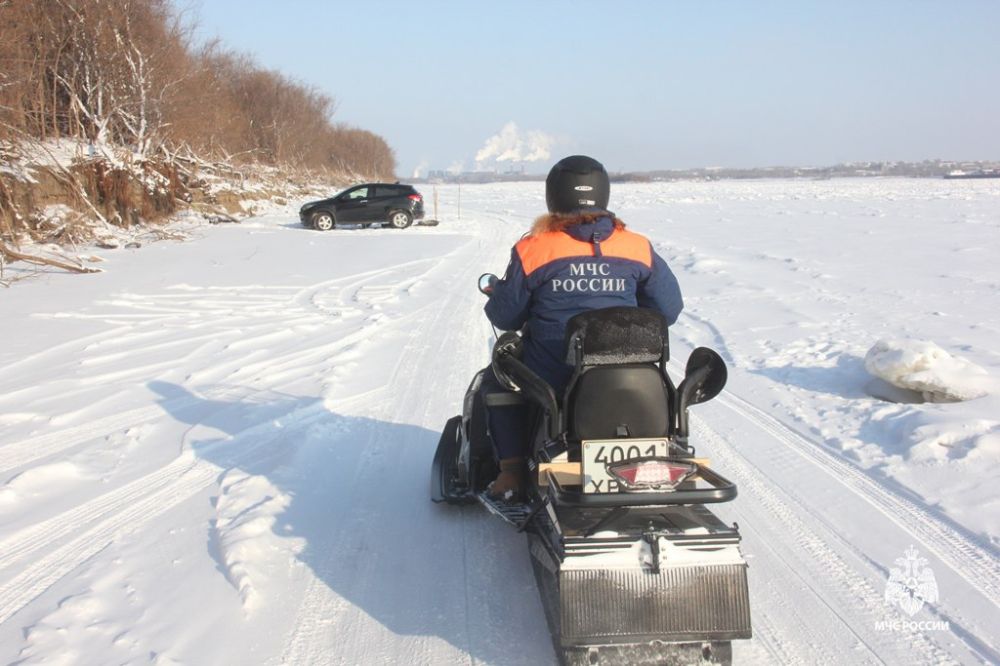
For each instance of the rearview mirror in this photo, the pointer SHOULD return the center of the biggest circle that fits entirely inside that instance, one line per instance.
(704, 377)
(486, 281)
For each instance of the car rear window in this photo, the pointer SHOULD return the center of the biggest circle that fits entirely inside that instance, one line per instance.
(388, 191)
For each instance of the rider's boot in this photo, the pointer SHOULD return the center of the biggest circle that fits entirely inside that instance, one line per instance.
(509, 484)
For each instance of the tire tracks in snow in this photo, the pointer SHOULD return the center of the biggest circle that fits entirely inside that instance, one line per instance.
(960, 553)
(57, 546)
(323, 611)
(977, 566)
(952, 545)
(25, 451)
(829, 572)
(321, 608)
(118, 512)
(126, 509)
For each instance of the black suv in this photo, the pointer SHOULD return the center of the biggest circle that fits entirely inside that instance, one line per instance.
(392, 204)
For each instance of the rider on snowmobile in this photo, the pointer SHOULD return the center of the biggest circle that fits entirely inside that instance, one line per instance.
(578, 257)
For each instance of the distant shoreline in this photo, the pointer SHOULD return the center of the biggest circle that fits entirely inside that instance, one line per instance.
(925, 169)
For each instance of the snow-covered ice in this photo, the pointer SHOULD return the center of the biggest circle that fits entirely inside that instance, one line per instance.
(217, 451)
(922, 366)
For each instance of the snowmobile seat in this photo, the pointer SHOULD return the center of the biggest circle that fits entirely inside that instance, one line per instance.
(617, 335)
(619, 387)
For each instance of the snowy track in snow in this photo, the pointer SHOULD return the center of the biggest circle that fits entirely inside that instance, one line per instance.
(57, 546)
(979, 567)
(317, 369)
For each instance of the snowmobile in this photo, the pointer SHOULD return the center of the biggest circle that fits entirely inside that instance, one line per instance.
(631, 565)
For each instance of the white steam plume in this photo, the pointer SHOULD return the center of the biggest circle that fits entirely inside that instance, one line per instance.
(421, 168)
(512, 145)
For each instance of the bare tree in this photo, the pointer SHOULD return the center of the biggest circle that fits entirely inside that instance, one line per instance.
(123, 74)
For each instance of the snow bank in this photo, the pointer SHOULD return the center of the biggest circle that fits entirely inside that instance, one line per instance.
(248, 547)
(979, 438)
(926, 368)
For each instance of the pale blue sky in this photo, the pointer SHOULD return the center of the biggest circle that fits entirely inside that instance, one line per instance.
(643, 85)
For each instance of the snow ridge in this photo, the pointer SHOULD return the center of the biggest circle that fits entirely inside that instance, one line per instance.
(246, 513)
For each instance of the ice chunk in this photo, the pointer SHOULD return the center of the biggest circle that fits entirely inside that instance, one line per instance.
(924, 367)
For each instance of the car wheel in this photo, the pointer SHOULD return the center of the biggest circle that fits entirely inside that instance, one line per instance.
(400, 219)
(323, 221)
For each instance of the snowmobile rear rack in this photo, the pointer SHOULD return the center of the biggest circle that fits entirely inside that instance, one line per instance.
(722, 490)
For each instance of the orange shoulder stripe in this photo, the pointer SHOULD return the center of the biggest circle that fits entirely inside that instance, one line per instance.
(541, 249)
(627, 245)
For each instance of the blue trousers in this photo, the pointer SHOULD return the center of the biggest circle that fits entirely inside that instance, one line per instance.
(509, 425)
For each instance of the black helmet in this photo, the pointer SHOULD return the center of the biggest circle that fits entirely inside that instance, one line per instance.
(577, 182)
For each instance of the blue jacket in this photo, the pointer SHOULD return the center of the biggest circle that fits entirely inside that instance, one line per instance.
(556, 274)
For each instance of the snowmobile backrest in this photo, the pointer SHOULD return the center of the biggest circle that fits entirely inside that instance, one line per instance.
(610, 401)
(612, 336)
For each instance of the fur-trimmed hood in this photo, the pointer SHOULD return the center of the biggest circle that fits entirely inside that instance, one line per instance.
(563, 221)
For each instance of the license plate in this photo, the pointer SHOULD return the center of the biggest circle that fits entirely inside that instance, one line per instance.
(597, 453)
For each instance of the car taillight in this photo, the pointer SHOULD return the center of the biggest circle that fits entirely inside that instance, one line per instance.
(651, 473)
(416, 197)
